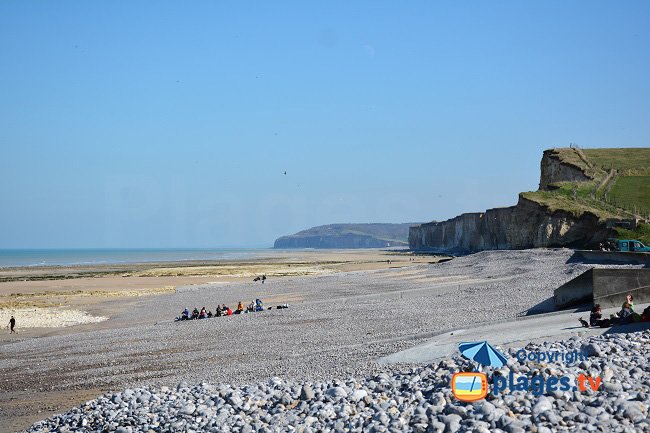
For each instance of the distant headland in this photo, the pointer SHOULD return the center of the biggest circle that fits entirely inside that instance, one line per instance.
(376, 235)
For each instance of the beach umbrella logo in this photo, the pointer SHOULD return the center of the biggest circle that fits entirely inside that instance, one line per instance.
(483, 353)
(472, 386)
(469, 386)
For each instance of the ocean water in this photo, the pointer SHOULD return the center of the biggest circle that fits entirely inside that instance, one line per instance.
(56, 257)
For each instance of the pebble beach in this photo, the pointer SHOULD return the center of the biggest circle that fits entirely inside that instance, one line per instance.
(313, 366)
(418, 400)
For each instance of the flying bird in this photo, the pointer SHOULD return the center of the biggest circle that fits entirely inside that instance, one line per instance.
(285, 172)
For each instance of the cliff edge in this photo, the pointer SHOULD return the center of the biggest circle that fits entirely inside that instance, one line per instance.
(577, 205)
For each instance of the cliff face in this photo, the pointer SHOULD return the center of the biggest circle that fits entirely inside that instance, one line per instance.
(525, 225)
(554, 170)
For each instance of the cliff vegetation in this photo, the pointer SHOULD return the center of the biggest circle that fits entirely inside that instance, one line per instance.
(584, 197)
(616, 185)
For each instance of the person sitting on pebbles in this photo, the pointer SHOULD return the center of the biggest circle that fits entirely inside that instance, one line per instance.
(596, 317)
(627, 314)
(240, 308)
(258, 305)
(251, 307)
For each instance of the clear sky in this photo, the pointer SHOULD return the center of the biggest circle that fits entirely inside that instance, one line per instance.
(170, 124)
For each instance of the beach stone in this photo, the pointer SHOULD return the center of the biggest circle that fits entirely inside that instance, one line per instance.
(612, 387)
(543, 404)
(591, 349)
(419, 427)
(487, 408)
(306, 393)
(419, 399)
(633, 414)
(452, 422)
(358, 394)
(336, 392)
(188, 409)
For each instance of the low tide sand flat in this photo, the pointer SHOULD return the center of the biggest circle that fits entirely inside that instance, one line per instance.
(116, 291)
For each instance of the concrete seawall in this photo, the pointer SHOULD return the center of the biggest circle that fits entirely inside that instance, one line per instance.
(612, 258)
(607, 287)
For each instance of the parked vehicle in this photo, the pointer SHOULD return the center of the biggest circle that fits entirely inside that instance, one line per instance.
(628, 245)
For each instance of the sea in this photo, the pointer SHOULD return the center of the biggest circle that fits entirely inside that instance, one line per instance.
(70, 257)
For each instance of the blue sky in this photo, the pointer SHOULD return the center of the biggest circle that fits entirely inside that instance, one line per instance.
(170, 124)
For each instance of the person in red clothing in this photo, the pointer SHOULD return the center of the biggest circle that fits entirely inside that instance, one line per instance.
(229, 311)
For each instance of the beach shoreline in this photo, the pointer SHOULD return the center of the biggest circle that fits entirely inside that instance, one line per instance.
(112, 291)
(340, 321)
(82, 292)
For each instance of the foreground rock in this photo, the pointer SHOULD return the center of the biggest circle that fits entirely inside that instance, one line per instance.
(418, 400)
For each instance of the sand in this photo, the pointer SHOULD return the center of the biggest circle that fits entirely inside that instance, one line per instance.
(59, 301)
(48, 317)
(52, 297)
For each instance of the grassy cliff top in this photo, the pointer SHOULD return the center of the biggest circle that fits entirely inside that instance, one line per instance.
(619, 185)
(627, 161)
(598, 162)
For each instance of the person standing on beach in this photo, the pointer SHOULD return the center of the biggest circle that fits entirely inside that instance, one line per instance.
(12, 325)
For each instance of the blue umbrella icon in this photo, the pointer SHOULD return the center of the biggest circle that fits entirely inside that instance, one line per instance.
(483, 353)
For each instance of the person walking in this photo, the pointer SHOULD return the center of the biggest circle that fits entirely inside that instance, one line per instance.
(12, 325)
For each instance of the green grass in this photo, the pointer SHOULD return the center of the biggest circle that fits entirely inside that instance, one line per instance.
(631, 192)
(642, 233)
(626, 194)
(628, 161)
(557, 201)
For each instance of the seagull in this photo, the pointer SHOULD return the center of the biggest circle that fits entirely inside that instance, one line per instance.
(285, 172)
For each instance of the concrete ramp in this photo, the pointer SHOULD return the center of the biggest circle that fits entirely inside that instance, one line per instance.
(512, 333)
(607, 287)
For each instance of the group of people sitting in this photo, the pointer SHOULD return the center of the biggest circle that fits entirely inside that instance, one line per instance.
(224, 310)
(623, 317)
